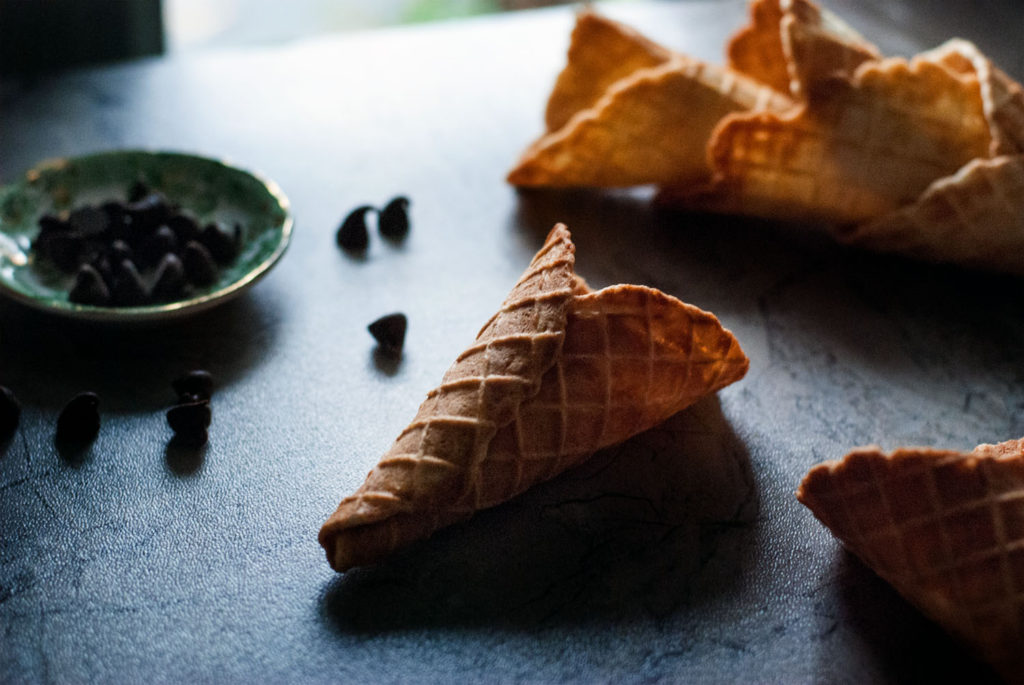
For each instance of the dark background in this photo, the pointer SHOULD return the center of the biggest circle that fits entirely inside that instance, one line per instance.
(681, 555)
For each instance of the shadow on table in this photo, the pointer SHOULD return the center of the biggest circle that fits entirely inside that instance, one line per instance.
(47, 360)
(660, 522)
(814, 298)
(903, 644)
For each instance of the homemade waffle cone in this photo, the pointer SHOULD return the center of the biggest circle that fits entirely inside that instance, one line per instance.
(650, 127)
(601, 52)
(855, 150)
(791, 44)
(756, 49)
(1003, 97)
(558, 373)
(945, 528)
(974, 218)
(818, 45)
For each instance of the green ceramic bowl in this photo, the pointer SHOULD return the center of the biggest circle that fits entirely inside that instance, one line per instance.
(210, 189)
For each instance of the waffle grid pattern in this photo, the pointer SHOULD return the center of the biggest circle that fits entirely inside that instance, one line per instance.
(651, 126)
(590, 398)
(601, 52)
(813, 51)
(435, 457)
(946, 529)
(557, 374)
(852, 153)
(971, 218)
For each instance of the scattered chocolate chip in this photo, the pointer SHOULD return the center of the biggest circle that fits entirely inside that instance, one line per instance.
(200, 269)
(128, 289)
(390, 332)
(170, 279)
(89, 287)
(79, 421)
(223, 246)
(352, 234)
(196, 383)
(190, 421)
(393, 221)
(10, 412)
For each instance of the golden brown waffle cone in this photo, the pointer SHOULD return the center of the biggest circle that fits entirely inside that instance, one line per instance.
(945, 528)
(557, 374)
(974, 218)
(854, 151)
(790, 44)
(1003, 97)
(601, 52)
(818, 45)
(756, 49)
(651, 127)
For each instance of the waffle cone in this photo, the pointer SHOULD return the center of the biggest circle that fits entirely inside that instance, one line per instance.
(818, 45)
(756, 49)
(945, 528)
(651, 127)
(974, 218)
(601, 52)
(558, 373)
(855, 150)
(791, 44)
(1003, 98)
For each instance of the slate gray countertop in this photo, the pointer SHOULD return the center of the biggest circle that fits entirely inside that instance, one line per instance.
(681, 555)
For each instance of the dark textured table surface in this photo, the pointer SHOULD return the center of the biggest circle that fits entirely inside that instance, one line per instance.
(679, 556)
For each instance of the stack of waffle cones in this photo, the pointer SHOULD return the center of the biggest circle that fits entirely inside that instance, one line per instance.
(558, 373)
(807, 122)
(945, 528)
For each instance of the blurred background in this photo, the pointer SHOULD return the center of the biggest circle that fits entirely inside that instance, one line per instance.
(44, 35)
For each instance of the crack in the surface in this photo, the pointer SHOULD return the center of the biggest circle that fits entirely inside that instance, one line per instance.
(15, 483)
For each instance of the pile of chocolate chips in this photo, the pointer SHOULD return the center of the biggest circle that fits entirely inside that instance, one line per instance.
(143, 251)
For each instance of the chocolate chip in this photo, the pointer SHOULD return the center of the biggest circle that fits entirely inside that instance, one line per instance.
(143, 231)
(79, 421)
(190, 420)
(162, 241)
(223, 245)
(390, 332)
(10, 412)
(119, 251)
(89, 221)
(89, 287)
(185, 227)
(196, 383)
(393, 221)
(149, 212)
(200, 269)
(51, 222)
(128, 289)
(138, 190)
(115, 212)
(170, 279)
(352, 234)
(64, 249)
